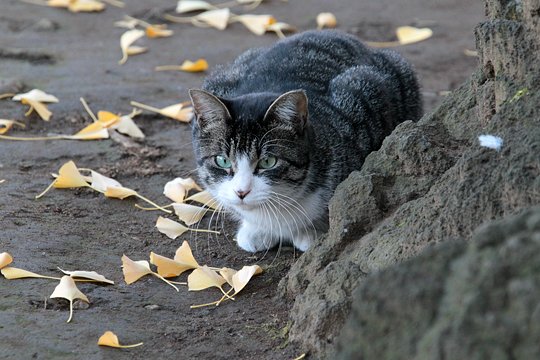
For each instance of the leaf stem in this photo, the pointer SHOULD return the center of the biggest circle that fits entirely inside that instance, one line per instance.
(46, 190)
(70, 310)
(88, 110)
(178, 19)
(152, 203)
(167, 281)
(130, 346)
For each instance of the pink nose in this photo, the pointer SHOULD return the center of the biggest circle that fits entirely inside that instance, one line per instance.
(242, 194)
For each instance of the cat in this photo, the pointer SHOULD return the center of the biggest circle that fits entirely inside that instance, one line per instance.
(277, 130)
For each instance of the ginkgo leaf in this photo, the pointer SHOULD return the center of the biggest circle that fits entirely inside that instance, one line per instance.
(205, 198)
(101, 182)
(135, 50)
(126, 40)
(251, 4)
(68, 290)
(94, 131)
(119, 192)
(188, 66)
(38, 107)
(127, 126)
(228, 274)
(215, 18)
(91, 275)
(68, 177)
(129, 23)
(170, 228)
(189, 214)
(168, 267)
(12, 273)
(157, 31)
(184, 255)
(5, 259)
(177, 111)
(177, 189)
(59, 3)
(6, 125)
(242, 277)
(134, 270)
(107, 118)
(326, 20)
(257, 24)
(280, 28)
(185, 6)
(85, 6)
(111, 340)
(405, 35)
(36, 95)
(204, 278)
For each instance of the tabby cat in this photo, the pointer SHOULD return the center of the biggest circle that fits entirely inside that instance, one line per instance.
(278, 129)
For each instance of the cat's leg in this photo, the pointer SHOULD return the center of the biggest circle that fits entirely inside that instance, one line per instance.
(252, 238)
(304, 241)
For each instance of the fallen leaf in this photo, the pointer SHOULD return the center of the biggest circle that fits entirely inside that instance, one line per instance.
(257, 24)
(228, 274)
(158, 31)
(177, 189)
(326, 20)
(204, 278)
(134, 270)
(101, 182)
(5, 259)
(12, 273)
(6, 125)
(68, 177)
(68, 290)
(119, 192)
(184, 255)
(188, 66)
(126, 40)
(170, 228)
(92, 275)
(36, 98)
(185, 6)
(242, 277)
(168, 267)
(405, 35)
(85, 6)
(280, 28)
(127, 126)
(189, 214)
(215, 18)
(111, 340)
(204, 198)
(177, 111)
(129, 23)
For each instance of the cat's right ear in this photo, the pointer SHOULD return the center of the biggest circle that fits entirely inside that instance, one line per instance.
(209, 109)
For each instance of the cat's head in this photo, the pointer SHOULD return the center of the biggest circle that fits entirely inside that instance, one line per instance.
(251, 148)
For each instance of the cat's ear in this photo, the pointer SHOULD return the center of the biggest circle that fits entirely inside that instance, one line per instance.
(209, 109)
(290, 108)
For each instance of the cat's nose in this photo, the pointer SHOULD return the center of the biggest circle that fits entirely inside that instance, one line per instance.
(242, 194)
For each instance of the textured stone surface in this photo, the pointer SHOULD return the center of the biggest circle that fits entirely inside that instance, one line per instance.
(430, 182)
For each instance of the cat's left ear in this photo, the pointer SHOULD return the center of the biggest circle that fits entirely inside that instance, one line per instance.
(290, 108)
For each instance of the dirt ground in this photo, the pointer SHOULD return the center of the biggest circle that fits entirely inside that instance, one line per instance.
(76, 55)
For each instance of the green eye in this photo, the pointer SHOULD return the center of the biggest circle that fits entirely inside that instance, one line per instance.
(223, 162)
(267, 162)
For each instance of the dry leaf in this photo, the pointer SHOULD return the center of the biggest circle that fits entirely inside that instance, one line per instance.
(184, 255)
(68, 177)
(405, 35)
(204, 278)
(12, 273)
(126, 40)
(6, 125)
(129, 23)
(134, 270)
(257, 24)
(119, 192)
(185, 6)
(5, 259)
(176, 111)
(85, 6)
(228, 274)
(127, 126)
(68, 290)
(204, 198)
(111, 340)
(170, 228)
(326, 20)
(35, 99)
(242, 277)
(189, 214)
(168, 267)
(280, 28)
(101, 182)
(177, 189)
(157, 31)
(215, 18)
(188, 66)
(91, 275)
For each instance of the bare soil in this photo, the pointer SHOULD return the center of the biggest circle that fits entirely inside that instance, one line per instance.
(76, 55)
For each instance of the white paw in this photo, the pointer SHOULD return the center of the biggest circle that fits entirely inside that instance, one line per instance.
(304, 241)
(250, 239)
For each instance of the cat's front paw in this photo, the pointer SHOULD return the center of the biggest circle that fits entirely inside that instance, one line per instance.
(304, 241)
(249, 239)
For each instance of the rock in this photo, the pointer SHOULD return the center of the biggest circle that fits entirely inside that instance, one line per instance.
(430, 182)
(455, 301)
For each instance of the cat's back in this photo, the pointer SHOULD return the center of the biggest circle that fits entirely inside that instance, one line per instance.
(309, 61)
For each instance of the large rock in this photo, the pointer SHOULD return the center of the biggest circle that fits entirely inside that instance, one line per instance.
(431, 181)
(479, 301)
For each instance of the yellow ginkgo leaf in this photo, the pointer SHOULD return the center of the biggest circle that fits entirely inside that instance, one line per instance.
(189, 214)
(170, 228)
(177, 189)
(257, 24)
(40, 109)
(12, 273)
(157, 31)
(188, 66)
(185, 256)
(111, 340)
(242, 277)
(127, 126)
(95, 132)
(59, 3)
(204, 278)
(5, 259)
(168, 267)
(119, 192)
(85, 6)
(107, 118)
(405, 35)
(68, 290)
(204, 197)
(6, 125)
(101, 182)
(36, 95)
(177, 111)
(68, 177)
(134, 270)
(326, 20)
(185, 6)
(228, 274)
(91, 275)
(280, 28)
(215, 18)
(126, 40)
